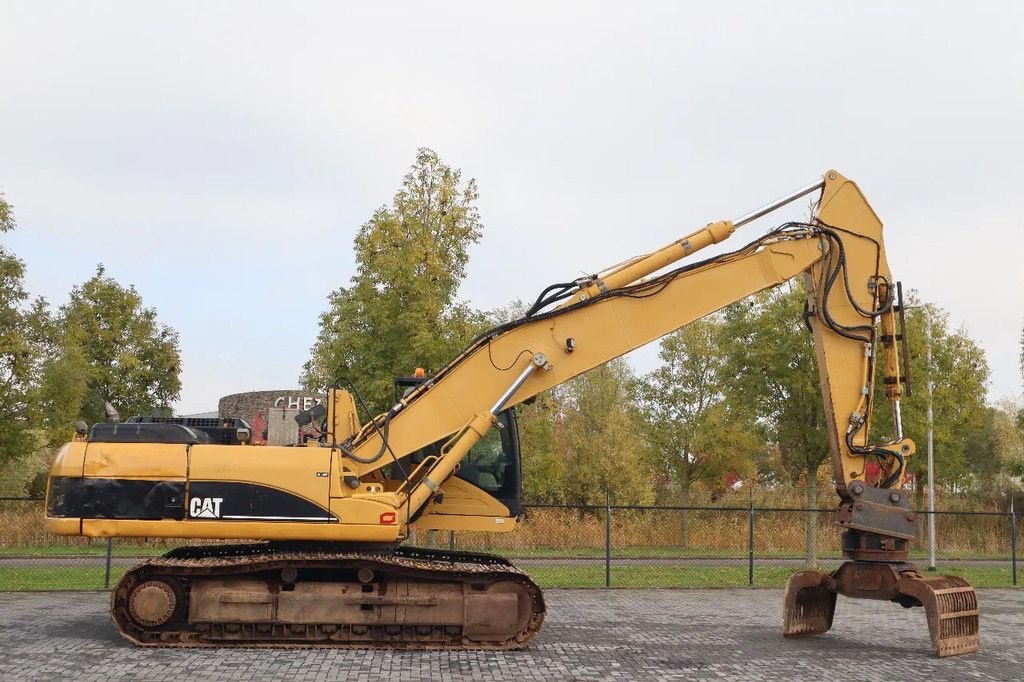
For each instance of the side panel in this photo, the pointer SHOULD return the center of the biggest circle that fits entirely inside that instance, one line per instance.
(233, 483)
(70, 460)
(63, 502)
(204, 491)
(129, 481)
(115, 498)
(466, 507)
(146, 461)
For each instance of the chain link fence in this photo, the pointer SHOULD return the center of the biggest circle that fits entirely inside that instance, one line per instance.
(568, 546)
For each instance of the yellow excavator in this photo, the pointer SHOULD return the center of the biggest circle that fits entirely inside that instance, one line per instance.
(324, 563)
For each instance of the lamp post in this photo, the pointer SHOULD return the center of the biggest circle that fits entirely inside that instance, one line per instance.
(931, 455)
(931, 432)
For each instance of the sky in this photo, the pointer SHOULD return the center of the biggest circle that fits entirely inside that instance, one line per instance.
(221, 156)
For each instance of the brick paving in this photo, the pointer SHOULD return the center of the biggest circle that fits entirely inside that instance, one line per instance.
(589, 634)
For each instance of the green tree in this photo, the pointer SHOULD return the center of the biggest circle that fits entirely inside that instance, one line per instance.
(1008, 438)
(697, 436)
(21, 351)
(6, 215)
(543, 451)
(112, 349)
(602, 440)
(64, 391)
(774, 373)
(400, 310)
(959, 376)
(1020, 412)
(541, 430)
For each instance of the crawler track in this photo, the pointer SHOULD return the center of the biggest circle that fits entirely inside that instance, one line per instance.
(305, 595)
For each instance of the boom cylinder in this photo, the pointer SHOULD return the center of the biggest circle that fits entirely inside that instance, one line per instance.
(654, 261)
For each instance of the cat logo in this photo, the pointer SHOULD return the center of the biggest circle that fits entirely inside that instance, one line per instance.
(205, 507)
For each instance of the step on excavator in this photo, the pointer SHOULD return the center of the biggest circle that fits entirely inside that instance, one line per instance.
(321, 560)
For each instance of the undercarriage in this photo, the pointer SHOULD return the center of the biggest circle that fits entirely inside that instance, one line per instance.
(291, 595)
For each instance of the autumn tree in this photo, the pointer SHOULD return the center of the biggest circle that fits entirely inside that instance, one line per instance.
(696, 434)
(111, 348)
(400, 310)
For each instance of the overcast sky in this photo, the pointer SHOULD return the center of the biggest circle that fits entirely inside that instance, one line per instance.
(221, 156)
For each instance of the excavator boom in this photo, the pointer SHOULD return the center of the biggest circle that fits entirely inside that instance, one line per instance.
(409, 467)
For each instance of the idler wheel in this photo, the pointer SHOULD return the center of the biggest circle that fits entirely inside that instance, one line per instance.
(152, 603)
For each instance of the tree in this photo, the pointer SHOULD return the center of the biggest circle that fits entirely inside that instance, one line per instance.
(544, 461)
(601, 438)
(959, 376)
(697, 435)
(540, 423)
(1020, 412)
(400, 311)
(64, 391)
(6, 215)
(112, 349)
(21, 326)
(774, 373)
(1008, 438)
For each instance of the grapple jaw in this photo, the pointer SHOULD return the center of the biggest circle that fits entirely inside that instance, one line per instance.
(950, 603)
(810, 604)
(951, 606)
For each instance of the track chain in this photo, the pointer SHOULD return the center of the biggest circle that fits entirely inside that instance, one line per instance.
(183, 564)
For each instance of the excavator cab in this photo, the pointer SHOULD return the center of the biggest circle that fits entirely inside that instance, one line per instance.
(493, 464)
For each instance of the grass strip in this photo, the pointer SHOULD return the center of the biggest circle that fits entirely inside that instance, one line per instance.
(632, 576)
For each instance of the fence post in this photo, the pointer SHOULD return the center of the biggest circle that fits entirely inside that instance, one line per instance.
(607, 538)
(106, 577)
(1013, 542)
(750, 541)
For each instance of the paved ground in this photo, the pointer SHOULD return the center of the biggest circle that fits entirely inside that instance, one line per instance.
(589, 634)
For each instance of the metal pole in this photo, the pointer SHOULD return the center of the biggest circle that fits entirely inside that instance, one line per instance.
(538, 361)
(750, 540)
(1013, 541)
(931, 443)
(607, 538)
(106, 577)
(778, 203)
